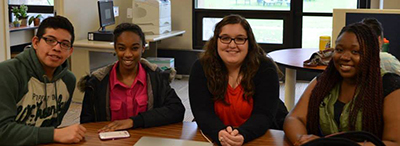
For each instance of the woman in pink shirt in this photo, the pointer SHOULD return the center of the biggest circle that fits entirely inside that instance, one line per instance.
(131, 92)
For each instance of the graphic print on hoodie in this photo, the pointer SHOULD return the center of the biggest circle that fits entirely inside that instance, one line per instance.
(41, 105)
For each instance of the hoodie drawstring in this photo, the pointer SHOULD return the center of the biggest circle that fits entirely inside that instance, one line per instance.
(46, 79)
(45, 89)
(56, 98)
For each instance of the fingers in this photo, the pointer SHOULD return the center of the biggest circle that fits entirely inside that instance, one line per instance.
(226, 139)
(229, 129)
(107, 127)
(71, 134)
(223, 142)
(82, 128)
(235, 132)
(221, 137)
(81, 133)
(102, 129)
(77, 138)
(112, 125)
(232, 131)
(230, 136)
(117, 125)
(231, 140)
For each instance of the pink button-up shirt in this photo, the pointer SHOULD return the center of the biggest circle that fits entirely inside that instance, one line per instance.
(127, 101)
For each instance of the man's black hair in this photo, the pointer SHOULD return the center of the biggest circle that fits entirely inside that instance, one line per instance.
(56, 22)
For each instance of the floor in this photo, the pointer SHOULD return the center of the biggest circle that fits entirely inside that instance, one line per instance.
(181, 87)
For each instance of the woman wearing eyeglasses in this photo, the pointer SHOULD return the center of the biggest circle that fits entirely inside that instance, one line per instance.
(234, 87)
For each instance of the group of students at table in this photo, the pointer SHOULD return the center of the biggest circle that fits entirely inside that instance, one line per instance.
(233, 89)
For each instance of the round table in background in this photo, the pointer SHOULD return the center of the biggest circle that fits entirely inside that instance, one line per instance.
(292, 59)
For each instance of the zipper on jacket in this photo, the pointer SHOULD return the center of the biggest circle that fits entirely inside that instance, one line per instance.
(93, 103)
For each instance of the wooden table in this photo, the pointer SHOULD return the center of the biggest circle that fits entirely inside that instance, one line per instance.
(185, 130)
(293, 60)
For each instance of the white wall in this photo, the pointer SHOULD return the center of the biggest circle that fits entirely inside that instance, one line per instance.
(4, 32)
(385, 4)
(391, 4)
(375, 4)
(181, 15)
(123, 5)
(82, 14)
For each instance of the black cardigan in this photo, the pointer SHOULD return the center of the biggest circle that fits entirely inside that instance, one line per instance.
(167, 107)
(266, 102)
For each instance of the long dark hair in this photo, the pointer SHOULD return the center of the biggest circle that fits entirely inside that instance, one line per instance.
(368, 80)
(215, 69)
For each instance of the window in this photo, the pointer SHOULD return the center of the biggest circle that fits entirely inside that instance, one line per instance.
(265, 31)
(32, 2)
(268, 18)
(277, 24)
(282, 5)
(35, 7)
(317, 18)
(319, 26)
(327, 6)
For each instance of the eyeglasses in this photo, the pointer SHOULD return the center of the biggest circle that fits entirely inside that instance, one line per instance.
(228, 40)
(64, 45)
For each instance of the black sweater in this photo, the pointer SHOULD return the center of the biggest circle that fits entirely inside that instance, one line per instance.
(266, 101)
(166, 107)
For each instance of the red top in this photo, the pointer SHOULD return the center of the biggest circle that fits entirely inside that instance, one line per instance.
(239, 109)
(127, 101)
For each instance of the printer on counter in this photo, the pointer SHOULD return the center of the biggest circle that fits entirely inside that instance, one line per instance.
(153, 16)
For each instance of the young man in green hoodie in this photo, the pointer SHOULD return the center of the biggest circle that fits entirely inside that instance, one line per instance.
(36, 88)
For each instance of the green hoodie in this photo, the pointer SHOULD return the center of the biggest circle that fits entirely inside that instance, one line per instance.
(31, 106)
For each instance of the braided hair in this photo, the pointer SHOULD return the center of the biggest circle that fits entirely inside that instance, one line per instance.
(368, 81)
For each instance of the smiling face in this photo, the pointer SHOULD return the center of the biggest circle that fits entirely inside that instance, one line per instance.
(129, 49)
(347, 55)
(52, 56)
(233, 54)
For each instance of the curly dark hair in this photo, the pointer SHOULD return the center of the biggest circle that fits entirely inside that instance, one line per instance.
(368, 80)
(128, 27)
(215, 69)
